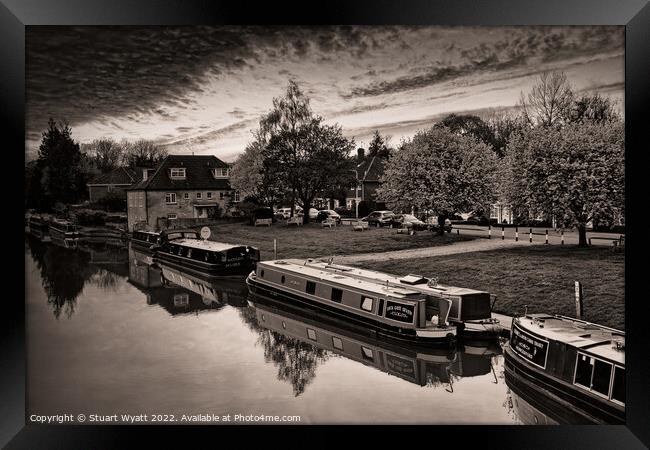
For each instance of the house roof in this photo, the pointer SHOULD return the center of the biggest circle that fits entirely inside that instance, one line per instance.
(370, 168)
(198, 174)
(117, 176)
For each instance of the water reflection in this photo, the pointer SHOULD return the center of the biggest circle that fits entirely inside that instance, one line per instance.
(296, 341)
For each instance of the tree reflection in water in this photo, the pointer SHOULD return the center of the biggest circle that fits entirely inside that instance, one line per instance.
(296, 360)
(64, 273)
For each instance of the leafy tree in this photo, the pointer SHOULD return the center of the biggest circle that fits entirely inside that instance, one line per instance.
(106, 154)
(379, 146)
(315, 158)
(575, 173)
(594, 108)
(502, 127)
(549, 102)
(143, 153)
(59, 166)
(441, 171)
(468, 125)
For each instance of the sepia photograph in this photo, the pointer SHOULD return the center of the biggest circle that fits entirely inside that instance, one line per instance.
(341, 224)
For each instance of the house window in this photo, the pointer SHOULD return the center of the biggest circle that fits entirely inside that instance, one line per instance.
(236, 196)
(366, 303)
(199, 195)
(311, 288)
(177, 173)
(186, 195)
(170, 198)
(221, 195)
(337, 343)
(172, 216)
(337, 295)
(209, 195)
(221, 172)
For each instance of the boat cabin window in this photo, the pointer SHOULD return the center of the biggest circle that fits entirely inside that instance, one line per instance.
(311, 334)
(584, 369)
(602, 377)
(380, 310)
(337, 295)
(282, 279)
(593, 374)
(262, 273)
(337, 343)
(618, 387)
(367, 353)
(311, 287)
(367, 303)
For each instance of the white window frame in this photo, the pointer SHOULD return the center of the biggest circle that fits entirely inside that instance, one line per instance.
(236, 196)
(169, 196)
(337, 343)
(591, 381)
(199, 195)
(311, 332)
(221, 172)
(177, 173)
(208, 195)
(186, 195)
(172, 216)
(364, 300)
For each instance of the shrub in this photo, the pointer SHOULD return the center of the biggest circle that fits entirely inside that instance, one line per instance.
(90, 218)
(113, 202)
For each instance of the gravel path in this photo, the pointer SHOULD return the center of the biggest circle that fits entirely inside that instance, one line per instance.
(477, 245)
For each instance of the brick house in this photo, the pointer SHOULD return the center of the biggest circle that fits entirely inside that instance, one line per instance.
(367, 172)
(115, 181)
(182, 187)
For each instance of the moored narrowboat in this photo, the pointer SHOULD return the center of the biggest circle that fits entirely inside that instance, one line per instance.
(395, 312)
(567, 364)
(208, 258)
(64, 229)
(152, 240)
(471, 310)
(38, 226)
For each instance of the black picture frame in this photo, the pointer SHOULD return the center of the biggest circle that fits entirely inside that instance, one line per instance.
(633, 14)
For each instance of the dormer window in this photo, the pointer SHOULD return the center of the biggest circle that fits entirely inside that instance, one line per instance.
(177, 173)
(221, 172)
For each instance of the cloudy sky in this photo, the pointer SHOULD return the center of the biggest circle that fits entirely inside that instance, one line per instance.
(203, 89)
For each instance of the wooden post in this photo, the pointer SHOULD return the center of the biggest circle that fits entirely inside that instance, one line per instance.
(546, 236)
(516, 234)
(503, 233)
(530, 235)
(275, 249)
(562, 234)
(490, 231)
(579, 307)
(457, 231)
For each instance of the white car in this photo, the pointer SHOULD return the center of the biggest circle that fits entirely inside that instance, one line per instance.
(313, 213)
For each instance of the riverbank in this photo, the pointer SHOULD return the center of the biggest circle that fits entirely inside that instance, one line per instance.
(541, 277)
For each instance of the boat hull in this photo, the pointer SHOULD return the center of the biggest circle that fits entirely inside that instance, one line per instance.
(237, 269)
(557, 399)
(361, 324)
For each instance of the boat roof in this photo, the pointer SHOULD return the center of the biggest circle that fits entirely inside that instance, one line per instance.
(595, 339)
(299, 267)
(147, 232)
(205, 245)
(414, 282)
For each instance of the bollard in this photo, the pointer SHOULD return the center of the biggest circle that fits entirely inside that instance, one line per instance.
(457, 231)
(562, 235)
(530, 235)
(546, 237)
(516, 234)
(579, 303)
(503, 233)
(275, 249)
(489, 231)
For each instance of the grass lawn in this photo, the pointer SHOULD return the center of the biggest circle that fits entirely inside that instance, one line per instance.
(541, 277)
(312, 240)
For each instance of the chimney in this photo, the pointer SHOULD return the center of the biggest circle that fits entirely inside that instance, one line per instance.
(360, 153)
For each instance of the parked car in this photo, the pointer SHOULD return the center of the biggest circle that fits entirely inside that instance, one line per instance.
(325, 214)
(477, 220)
(380, 218)
(408, 221)
(313, 213)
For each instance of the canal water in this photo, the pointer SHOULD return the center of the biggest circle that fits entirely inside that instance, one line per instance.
(109, 333)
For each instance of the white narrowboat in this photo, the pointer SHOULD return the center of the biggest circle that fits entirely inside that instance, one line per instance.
(574, 370)
(396, 312)
(471, 310)
(64, 229)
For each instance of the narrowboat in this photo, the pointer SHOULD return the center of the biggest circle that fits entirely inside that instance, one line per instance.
(568, 365)
(152, 240)
(63, 228)
(207, 258)
(471, 310)
(39, 226)
(417, 366)
(394, 312)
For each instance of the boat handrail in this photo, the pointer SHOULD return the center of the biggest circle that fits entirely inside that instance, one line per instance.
(590, 324)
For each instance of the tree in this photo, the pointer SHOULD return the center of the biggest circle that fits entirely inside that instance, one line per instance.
(248, 177)
(143, 153)
(379, 146)
(594, 108)
(314, 158)
(106, 154)
(441, 171)
(575, 173)
(468, 125)
(59, 166)
(549, 101)
(502, 127)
